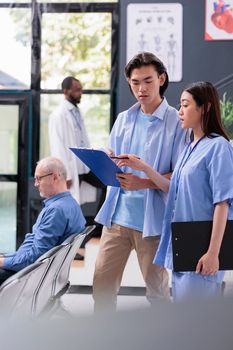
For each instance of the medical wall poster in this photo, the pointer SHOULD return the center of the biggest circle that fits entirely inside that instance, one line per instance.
(157, 28)
(219, 20)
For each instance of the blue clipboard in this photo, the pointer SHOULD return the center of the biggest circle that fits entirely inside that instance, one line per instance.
(100, 164)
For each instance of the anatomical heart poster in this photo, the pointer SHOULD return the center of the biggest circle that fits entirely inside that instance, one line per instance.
(219, 20)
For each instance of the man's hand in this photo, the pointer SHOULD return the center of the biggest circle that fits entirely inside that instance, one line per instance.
(130, 182)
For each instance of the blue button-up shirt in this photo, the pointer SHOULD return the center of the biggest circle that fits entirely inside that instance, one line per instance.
(165, 140)
(60, 218)
(197, 184)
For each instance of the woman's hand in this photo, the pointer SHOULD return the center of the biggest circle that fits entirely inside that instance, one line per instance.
(132, 161)
(109, 152)
(208, 264)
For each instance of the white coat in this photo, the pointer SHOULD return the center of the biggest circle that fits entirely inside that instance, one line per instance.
(66, 129)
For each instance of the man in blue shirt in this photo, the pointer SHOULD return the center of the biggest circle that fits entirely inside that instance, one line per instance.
(132, 215)
(60, 218)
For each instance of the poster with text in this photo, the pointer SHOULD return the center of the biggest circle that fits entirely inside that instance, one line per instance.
(157, 28)
(219, 20)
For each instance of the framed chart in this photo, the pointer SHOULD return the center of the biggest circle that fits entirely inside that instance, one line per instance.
(157, 28)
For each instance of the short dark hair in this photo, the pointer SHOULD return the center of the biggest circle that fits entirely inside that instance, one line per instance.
(67, 82)
(206, 95)
(147, 59)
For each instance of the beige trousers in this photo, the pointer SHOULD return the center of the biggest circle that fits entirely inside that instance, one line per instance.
(116, 244)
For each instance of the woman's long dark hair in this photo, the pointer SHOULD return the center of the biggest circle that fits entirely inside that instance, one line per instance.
(206, 95)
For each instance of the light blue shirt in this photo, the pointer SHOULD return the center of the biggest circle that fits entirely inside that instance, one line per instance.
(205, 179)
(130, 206)
(60, 218)
(164, 142)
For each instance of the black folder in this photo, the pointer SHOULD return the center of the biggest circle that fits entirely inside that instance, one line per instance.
(190, 240)
(100, 164)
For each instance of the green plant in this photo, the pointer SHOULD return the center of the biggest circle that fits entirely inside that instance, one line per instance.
(227, 114)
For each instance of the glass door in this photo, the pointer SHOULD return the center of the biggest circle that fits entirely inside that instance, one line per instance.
(14, 168)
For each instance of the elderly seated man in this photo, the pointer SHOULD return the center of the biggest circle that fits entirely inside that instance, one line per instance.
(60, 218)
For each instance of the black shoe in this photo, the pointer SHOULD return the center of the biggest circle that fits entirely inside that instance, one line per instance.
(78, 257)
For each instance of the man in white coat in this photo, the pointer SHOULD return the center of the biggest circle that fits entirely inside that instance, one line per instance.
(66, 129)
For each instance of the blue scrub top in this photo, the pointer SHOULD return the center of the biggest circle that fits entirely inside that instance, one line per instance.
(164, 142)
(205, 179)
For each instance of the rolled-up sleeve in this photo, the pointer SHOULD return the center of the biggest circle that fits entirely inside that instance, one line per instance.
(221, 173)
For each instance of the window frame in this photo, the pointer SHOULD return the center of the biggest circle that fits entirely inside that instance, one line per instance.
(38, 9)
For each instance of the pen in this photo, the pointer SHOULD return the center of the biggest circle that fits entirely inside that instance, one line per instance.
(116, 157)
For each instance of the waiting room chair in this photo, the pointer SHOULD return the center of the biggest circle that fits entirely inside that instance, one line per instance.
(56, 281)
(30, 291)
(62, 277)
(18, 293)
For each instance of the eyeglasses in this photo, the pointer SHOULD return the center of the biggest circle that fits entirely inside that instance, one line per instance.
(39, 178)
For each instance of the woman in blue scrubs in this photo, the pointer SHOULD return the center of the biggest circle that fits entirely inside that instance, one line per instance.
(201, 189)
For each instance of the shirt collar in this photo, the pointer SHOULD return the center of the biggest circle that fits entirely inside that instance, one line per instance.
(70, 105)
(49, 200)
(158, 113)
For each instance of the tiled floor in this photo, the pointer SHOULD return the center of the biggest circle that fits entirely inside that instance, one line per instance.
(82, 304)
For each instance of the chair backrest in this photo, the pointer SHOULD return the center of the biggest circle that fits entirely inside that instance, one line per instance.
(62, 276)
(57, 276)
(86, 231)
(43, 294)
(50, 253)
(17, 292)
